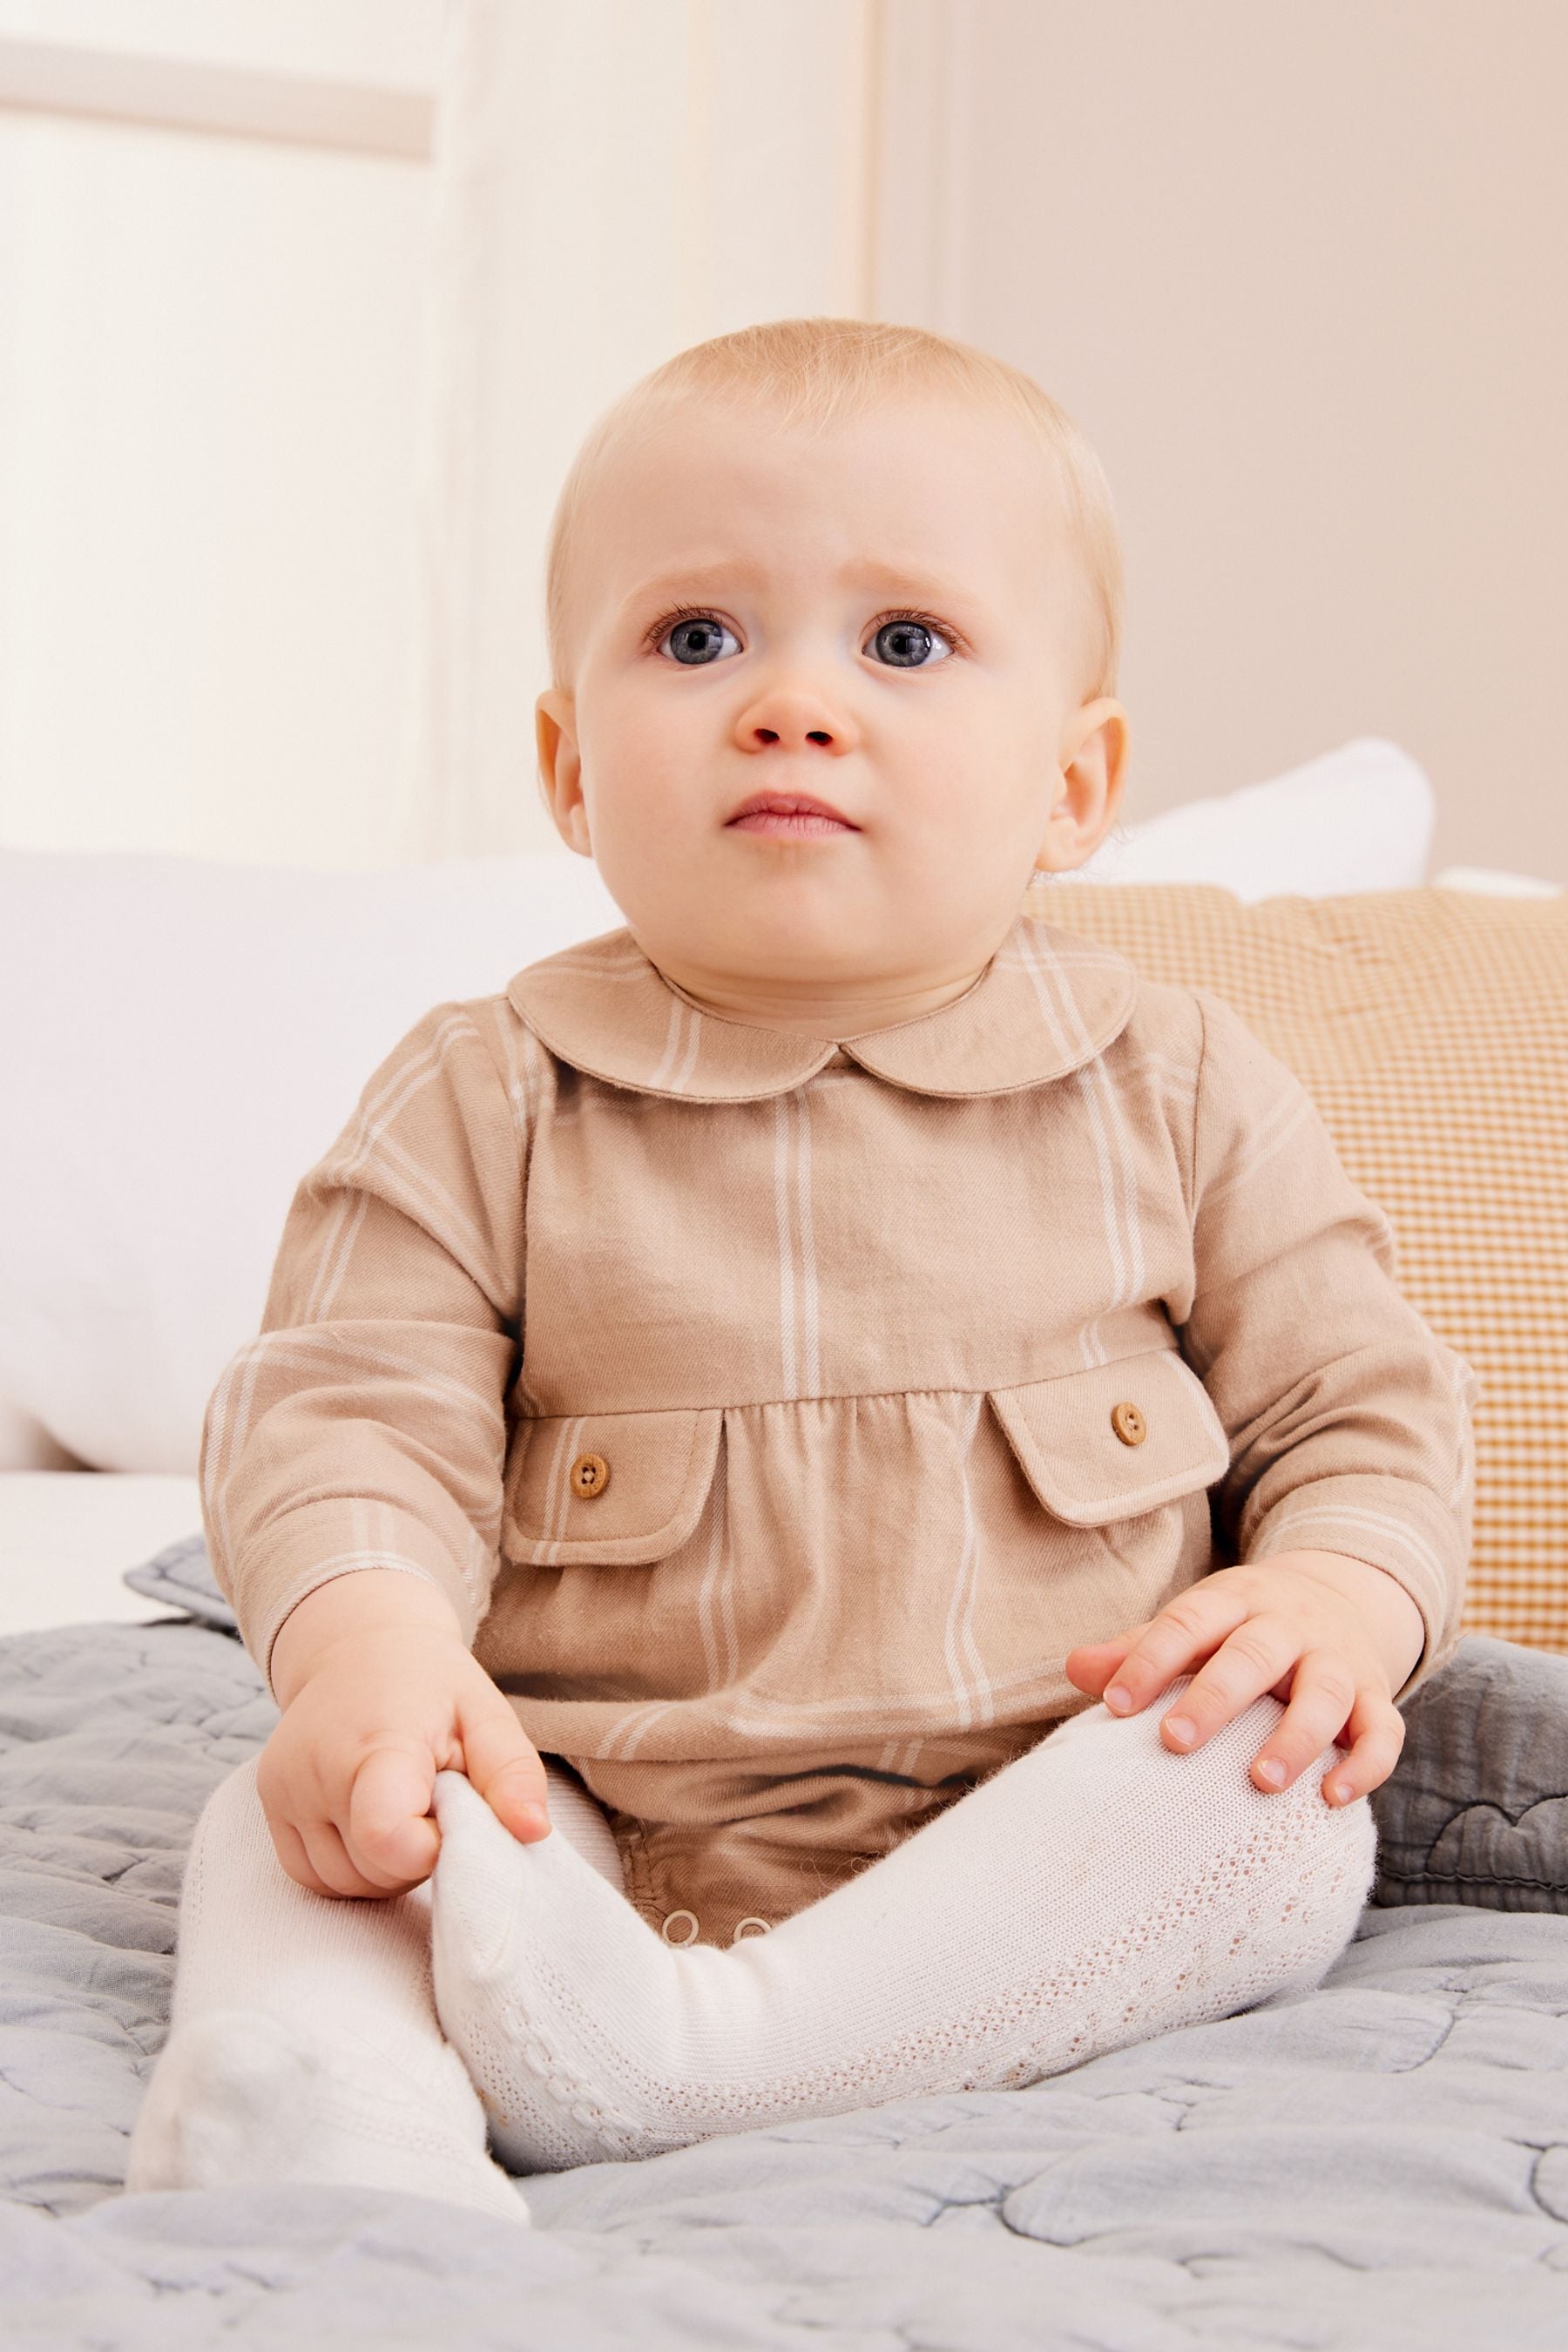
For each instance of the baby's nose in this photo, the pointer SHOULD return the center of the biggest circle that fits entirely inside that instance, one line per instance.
(811, 735)
(795, 718)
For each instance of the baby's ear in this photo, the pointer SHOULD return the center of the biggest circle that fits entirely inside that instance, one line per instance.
(555, 729)
(560, 767)
(1094, 765)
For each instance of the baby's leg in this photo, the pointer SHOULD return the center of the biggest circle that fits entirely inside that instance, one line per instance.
(1096, 1890)
(303, 2042)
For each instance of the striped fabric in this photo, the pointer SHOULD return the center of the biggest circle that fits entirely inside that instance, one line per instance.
(759, 1397)
(1431, 1028)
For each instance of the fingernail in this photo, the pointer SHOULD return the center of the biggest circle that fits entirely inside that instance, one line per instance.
(1271, 1769)
(1182, 1728)
(532, 1817)
(1342, 1792)
(1117, 1699)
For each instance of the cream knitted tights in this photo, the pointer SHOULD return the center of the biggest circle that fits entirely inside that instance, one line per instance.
(303, 2041)
(1095, 1890)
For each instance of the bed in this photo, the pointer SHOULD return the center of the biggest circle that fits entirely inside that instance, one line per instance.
(1382, 2162)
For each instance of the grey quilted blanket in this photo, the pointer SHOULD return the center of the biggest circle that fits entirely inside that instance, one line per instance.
(1383, 2162)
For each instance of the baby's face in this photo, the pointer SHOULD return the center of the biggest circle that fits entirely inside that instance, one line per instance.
(885, 616)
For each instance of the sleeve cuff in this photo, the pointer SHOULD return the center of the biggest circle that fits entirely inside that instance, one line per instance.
(1391, 1524)
(309, 1547)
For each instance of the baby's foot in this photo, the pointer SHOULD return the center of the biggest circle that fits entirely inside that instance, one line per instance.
(237, 2096)
(571, 2013)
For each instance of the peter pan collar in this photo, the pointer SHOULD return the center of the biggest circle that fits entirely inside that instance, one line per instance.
(1046, 1004)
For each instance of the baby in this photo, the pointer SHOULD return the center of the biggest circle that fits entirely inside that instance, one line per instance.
(835, 1427)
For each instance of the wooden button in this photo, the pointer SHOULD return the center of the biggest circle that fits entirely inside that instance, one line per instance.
(1128, 1424)
(590, 1475)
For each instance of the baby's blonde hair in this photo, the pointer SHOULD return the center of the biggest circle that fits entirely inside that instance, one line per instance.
(815, 371)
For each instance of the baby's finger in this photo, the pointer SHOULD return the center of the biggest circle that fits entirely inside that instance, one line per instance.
(1376, 1730)
(329, 1861)
(503, 1763)
(1090, 1666)
(1322, 1693)
(1251, 1662)
(389, 1838)
(290, 1847)
(1193, 1625)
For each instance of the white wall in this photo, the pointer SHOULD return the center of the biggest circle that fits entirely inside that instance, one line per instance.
(280, 430)
(210, 380)
(1299, 272)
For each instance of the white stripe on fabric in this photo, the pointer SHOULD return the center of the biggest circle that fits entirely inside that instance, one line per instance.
(667, 1060)
(716, 1595)
(558, 1501)
(626, 1736)
(788, 1346)
(311, 1342)
(319, 1305)
(410, 1075)
(1095, 1078)
(1123, 1228)
(343, 1210)
(465, 1243)
(1273, 1132)
(1333, 1515)
(967, 1668)
(524, 1072)
(302, 1347)
(810, 1291)
(372, 1132)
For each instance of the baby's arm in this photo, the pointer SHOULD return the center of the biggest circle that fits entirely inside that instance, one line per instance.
(353, 1459)
(1349, 1497)
(380, 1693)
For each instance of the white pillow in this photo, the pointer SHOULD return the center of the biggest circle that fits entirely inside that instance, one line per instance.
(1360, 818)
(179, 1042)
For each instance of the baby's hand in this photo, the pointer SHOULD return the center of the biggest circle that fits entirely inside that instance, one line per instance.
(1332, 1636)
(371, 1714)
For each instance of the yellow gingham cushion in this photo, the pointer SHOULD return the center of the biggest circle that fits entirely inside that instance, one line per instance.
(1431, 1028)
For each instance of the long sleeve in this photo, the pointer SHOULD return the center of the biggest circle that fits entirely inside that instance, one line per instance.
(1349, 1419)
(365, 1426)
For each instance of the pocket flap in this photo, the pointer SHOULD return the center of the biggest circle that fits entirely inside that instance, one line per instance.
(1078, 1444)
(613, 1487)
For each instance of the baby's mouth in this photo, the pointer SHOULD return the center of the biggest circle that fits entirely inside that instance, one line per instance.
(798, 814)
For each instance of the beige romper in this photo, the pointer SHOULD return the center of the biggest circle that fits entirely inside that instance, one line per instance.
(777, 1413)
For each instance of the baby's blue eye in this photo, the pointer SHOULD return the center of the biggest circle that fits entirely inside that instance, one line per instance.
(697, 639)
(908, 645)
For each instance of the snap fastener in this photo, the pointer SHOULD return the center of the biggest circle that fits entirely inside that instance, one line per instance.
(669, 1922)
(590, 1475)
(763, 1927)
(1128, 1424)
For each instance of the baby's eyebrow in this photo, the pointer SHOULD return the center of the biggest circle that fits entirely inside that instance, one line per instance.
(696, 580)
(882, 578)
(899, 580)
